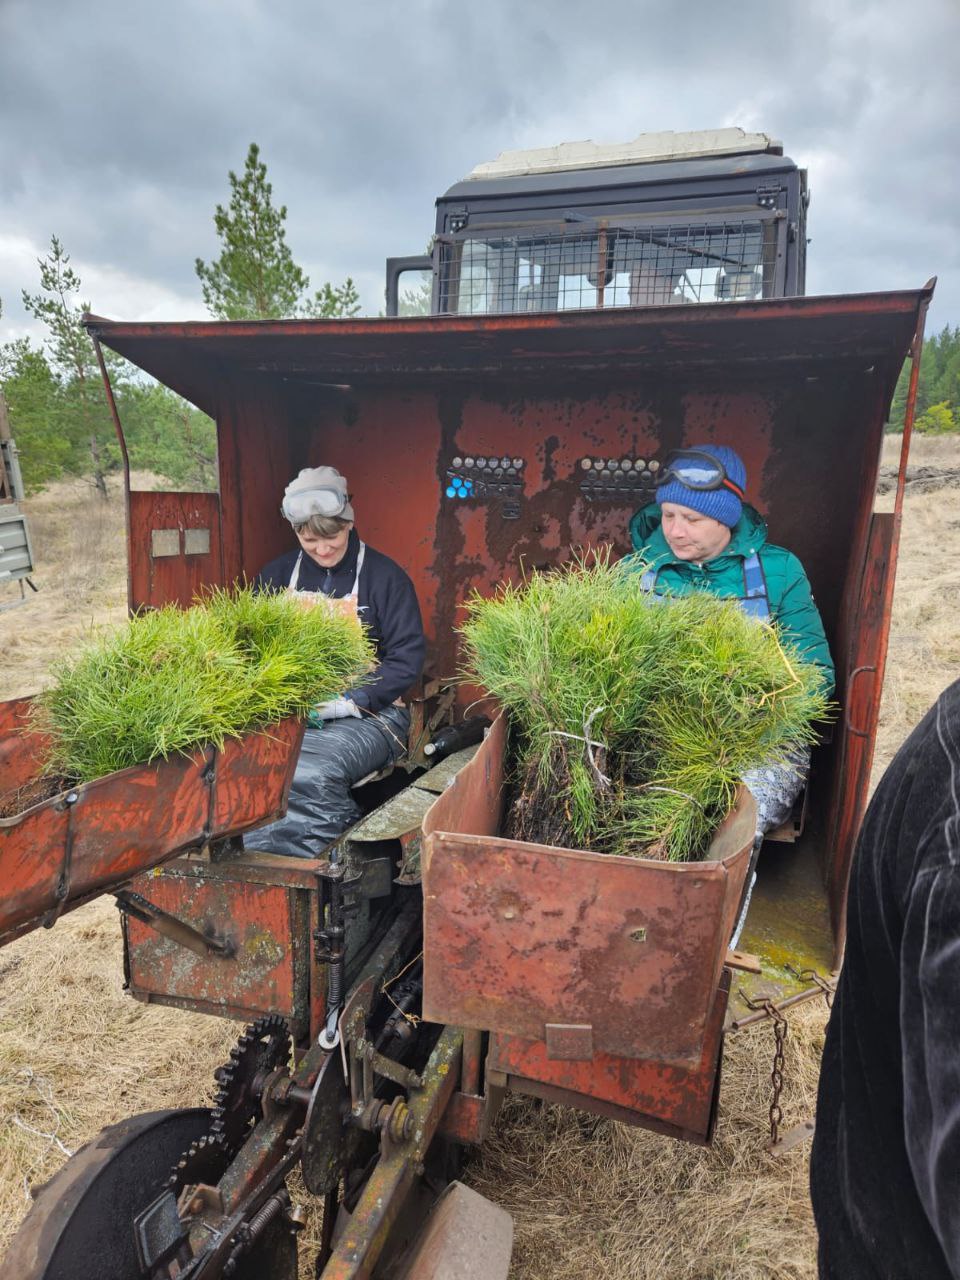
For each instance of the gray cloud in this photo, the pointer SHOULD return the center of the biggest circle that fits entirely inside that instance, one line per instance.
(118, 124)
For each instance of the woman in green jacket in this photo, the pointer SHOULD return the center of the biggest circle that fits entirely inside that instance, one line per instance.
(699, 535)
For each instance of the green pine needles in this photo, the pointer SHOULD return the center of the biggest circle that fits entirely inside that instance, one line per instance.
(175, 679)
(633, 719)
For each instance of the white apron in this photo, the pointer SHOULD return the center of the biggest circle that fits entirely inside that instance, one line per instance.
(346, 605)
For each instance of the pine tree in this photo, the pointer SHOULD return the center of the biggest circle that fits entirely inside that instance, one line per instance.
(255, 277)
(34, 395)
(72, 352)
(939, 381)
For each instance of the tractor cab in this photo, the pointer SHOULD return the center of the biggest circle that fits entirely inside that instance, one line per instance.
(666, 220)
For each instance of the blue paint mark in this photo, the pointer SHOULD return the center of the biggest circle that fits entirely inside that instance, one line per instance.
(458, 487)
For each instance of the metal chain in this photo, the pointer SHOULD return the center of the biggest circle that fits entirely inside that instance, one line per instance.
(776, 1075)
(767, 1009)
(827, 989)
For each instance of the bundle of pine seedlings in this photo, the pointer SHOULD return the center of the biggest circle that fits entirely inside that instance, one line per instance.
(633, 719)
(172, 680)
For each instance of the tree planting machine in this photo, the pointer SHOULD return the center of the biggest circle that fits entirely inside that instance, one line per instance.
(590, 310)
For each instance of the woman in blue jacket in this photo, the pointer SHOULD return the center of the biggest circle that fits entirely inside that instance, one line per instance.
(700, 535)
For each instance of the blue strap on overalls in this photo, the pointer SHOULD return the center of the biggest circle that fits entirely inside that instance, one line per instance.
(754, 601)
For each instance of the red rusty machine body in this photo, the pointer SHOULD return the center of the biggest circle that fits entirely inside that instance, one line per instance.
(556, 418)
(801, 387)
(544, 971)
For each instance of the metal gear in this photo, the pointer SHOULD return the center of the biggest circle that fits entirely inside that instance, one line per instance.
(263, 1047)
(205, 1160)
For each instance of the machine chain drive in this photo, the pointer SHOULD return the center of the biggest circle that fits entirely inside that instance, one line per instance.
(263, 1047)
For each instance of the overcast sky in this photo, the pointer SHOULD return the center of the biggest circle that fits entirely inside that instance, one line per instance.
(120, 120)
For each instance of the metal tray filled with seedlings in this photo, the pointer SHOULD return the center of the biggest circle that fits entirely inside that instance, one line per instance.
(181, 727)
(588, 872)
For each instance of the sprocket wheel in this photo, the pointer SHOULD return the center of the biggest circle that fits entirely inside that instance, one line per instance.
(205, 1160)
(263, 1047)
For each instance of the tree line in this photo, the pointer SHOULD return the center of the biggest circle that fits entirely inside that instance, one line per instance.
(937, 410)
(54, 391)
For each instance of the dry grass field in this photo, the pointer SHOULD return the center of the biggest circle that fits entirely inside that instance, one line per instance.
(589, 1198)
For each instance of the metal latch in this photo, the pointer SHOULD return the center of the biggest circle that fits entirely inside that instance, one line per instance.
(569, 1042)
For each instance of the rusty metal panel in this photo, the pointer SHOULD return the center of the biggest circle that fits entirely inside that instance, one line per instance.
(61, 851)
(253, 777)
(29, 873)
(668, 1097)
(192, 356)
(22, 751)
(473, 803)
(465, 1119)
(95, 836)
(518, 935)
(566, 1043)
(165, 567)
(261, 445)
(267, 925)
(869, 629)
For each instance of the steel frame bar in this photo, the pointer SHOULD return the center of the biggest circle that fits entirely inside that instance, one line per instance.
(356, 1253)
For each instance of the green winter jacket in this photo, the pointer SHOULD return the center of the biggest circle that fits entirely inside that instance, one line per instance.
(788, 590)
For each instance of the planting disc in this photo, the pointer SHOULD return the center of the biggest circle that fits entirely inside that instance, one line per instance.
(81, 1223)
(323, 1130)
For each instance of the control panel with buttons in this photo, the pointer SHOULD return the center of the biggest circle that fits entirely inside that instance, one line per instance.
(618, 480)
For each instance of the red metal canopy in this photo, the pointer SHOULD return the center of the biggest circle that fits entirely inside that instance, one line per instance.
(194, 357)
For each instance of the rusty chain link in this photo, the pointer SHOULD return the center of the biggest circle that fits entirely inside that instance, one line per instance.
(827, 989)
(765, 1008)
(776, 1075)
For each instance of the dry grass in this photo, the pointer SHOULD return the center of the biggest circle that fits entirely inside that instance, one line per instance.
(924, 653)
(79, 547)
(591, 1197)
(76, 1053)
(588, 1197)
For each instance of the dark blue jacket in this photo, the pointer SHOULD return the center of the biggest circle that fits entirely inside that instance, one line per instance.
(388, 609)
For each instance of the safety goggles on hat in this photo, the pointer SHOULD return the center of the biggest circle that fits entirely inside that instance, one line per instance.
(696, 470)
(322, 501)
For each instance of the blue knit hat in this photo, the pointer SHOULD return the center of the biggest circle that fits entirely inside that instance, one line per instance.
(721, 504)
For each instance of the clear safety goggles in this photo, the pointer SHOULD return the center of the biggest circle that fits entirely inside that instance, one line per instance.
(697, 470)
(325, 501)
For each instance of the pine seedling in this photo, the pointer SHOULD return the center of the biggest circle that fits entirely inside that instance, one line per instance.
(171, 680)
(633, 721)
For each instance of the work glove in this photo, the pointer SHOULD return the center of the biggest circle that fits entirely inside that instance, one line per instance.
(335, 709)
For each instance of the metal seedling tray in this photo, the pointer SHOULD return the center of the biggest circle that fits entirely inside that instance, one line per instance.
(92, 838)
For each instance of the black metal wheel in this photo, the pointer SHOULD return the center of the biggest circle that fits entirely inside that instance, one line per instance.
(81, 1224)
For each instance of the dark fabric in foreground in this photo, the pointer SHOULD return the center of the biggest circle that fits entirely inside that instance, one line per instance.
(885, 1167)
(332, 759)
(388, 609)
